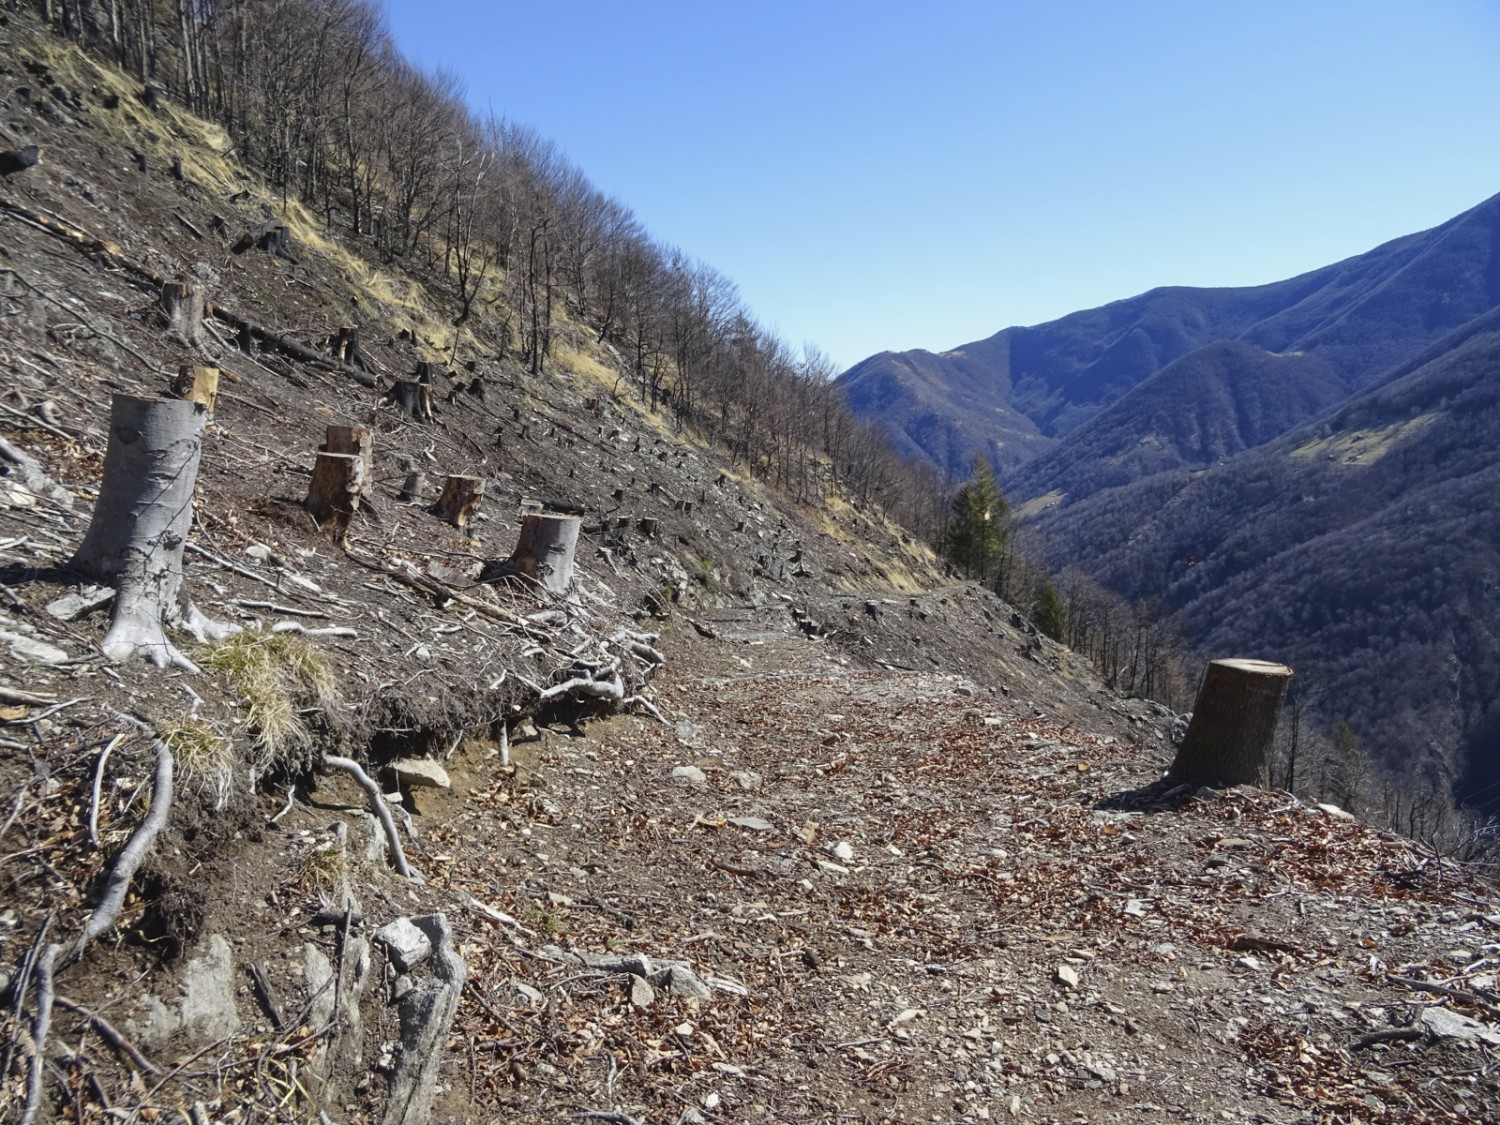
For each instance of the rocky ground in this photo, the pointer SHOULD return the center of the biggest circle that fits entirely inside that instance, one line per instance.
(882, 853)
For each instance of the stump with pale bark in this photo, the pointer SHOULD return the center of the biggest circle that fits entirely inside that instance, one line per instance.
(140, 524)
(1234, 724)
(544, 551)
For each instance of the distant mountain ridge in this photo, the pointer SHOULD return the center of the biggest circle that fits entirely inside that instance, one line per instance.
(1305, 471)
(1014, 395)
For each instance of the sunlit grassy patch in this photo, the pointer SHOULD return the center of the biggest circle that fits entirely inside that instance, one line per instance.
(277, 676)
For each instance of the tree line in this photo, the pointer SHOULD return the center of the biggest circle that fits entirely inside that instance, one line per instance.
(317, 95)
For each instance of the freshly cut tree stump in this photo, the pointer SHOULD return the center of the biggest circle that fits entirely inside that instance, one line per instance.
(140, 523)
(460, 500)
(197, 384)
(352, 439)
(183, 307)
(333, 495)
(544, 551)
(1234, 724)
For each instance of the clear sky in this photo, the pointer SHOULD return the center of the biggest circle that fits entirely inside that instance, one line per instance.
(880, 175)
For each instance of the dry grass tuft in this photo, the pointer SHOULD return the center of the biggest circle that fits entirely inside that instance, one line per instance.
(278, 678)
(204, 758)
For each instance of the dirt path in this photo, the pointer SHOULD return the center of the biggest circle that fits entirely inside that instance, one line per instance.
(941, 909)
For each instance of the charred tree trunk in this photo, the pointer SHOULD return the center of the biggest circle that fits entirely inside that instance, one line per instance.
(544, 552)
(1234, 724)
(183, 307)
(140, 524)
(413, 398)
(460, 500)
(333, 495)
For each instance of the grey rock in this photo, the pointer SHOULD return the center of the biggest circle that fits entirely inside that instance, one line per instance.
(748, 780)
(642, 995)
(1451, 1025)
(73, 606)
(208, 1009)
(689, 775)
(317, 976)
(426, 1015)
(421, 773)
(752, 823)
(32, 651)
(405, 944)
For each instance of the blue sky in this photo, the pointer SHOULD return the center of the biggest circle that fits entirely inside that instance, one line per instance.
(885, 175)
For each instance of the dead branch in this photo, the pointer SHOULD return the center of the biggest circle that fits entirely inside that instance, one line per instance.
(380, 809)
(111, 1033)
(135, 848)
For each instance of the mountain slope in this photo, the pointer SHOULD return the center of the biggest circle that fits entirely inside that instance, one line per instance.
(1363, 550)
(1362, 317)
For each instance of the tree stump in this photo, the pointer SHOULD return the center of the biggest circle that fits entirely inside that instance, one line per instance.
(197, 384)
(140, 523)
(333, 495)
(352, 439)
(345, 343)
(413, 398)
(1234, 724)
(414, 486)
(183, 306)
(544, 550)
(460, 499)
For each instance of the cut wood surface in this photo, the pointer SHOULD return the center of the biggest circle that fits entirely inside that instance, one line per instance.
(197, 384)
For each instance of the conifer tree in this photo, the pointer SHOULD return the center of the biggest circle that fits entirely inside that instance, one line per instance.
(979, 526)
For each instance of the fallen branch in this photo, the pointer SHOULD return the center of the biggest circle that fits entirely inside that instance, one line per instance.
(39, 1027)
(98, 783)
(135, 848)
(380, 809)
(34, 477)
(115, 1037)
(1444, 990)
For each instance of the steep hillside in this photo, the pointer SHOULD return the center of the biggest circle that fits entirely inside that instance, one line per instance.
(1361, 317)
(1362, 550)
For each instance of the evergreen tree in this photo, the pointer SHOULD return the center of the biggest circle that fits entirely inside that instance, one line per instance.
(979, 526)
(1048, 614)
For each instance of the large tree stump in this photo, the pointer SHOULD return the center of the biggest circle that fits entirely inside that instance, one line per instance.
(1234, 724)
(460, 500)
(333, 495)
(544, 551)
(197, 384)
(183, 306)
(352, 439)
(140, 524)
